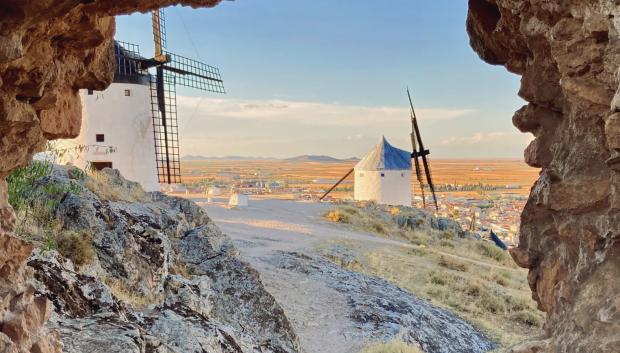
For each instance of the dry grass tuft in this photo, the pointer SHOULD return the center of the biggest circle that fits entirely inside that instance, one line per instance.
(446, 235)
(453, 264)
(362, 219)
(180, 268)
(394, 211)
(77, 246)
(106, 188)
(123, 292)
(391, 347)
(337, 216)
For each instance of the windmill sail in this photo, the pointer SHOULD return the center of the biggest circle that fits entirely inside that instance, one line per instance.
(418, 151)
(194, 74)
(172, 70)
(165, 128)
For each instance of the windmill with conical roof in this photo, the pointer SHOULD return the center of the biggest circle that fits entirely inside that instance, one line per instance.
(383, 175)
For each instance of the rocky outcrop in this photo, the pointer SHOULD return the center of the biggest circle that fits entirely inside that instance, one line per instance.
(48, 50)
(568, 54)
(380, 310)
(164, 279)
(22, 313)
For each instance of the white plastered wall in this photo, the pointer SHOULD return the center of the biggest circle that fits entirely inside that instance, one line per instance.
(127, 125)
(393, 188)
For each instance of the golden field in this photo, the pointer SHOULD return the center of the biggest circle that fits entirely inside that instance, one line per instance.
(318, 176)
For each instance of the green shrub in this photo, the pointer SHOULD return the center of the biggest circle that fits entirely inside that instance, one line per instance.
(491, 251)
(36, 202)
(22, 180)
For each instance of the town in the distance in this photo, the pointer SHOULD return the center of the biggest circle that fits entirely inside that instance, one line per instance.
(481, 195)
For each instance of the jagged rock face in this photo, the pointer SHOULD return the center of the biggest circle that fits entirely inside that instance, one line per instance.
(48, 50)
(568, 54)
(22, 314)
(218, 304)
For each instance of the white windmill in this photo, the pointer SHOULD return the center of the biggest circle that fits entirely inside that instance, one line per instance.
(136, 115)
(384, 174)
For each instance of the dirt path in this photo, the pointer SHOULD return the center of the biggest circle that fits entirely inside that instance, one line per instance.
(266, 226)
(331, 308)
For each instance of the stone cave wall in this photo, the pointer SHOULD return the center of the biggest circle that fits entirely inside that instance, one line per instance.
(568, 55)
(49, 49)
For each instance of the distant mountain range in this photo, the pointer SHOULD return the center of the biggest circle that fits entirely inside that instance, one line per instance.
(302, 158)
(318, 158)
(203, 158)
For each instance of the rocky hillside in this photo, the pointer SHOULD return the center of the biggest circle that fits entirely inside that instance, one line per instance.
(150, 273)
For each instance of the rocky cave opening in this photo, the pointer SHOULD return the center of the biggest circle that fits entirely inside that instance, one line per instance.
(568, 54)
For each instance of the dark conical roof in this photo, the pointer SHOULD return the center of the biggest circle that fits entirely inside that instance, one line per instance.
(385, 157)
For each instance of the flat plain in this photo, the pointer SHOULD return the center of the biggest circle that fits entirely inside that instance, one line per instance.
(317, 176)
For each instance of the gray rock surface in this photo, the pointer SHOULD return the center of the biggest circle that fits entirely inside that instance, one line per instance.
(383, 310)
(176, 283)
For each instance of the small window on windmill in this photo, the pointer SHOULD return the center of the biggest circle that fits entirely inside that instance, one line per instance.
(361, 175)
(90, 92)
(100, 138)
(402, 175)
(127, 92)
(382, 175)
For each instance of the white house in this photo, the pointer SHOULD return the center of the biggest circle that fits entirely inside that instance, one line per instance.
(384, 176)
(117, 127)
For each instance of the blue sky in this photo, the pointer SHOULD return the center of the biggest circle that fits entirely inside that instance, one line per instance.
(329, 77)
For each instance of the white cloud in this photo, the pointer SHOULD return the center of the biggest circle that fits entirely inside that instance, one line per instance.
(310, 113)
